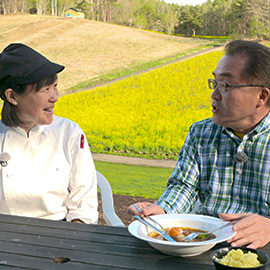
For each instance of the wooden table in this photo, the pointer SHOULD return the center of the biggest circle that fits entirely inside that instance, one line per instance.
(30, 243)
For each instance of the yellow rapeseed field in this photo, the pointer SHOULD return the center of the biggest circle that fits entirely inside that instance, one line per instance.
(146, 114)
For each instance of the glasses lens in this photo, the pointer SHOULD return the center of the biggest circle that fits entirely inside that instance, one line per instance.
(222, 87)
(212, 84)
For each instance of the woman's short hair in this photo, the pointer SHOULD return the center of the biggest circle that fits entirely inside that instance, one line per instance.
(9, 117)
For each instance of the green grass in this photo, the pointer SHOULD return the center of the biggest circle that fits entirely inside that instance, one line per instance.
(147, 182)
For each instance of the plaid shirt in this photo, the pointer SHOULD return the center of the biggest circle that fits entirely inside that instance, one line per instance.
(206, 168)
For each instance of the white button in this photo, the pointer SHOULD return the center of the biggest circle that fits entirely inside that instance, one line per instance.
(46, 132)
(9, 135)
(237, 198)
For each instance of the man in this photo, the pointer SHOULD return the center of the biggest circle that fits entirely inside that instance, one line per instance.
(225, 161)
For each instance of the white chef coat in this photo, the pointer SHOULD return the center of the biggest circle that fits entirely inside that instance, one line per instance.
(51, 173)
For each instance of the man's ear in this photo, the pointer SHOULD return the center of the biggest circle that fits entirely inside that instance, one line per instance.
(264, 95)
(11, 96)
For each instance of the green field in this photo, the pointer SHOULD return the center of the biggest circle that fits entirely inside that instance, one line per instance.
(147, 182)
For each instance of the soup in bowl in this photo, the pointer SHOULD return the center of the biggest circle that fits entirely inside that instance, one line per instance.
(180, 233)
(198, 222)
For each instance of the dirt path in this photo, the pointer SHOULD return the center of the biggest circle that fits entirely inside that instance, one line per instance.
(135, 160)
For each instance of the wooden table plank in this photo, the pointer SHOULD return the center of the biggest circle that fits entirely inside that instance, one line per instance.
(126, 260)
(84, 261)
(120, 245)
(44, 223)
(41, 248)
(9, 261)
(68, 227)
(80, 245)
(70, 234)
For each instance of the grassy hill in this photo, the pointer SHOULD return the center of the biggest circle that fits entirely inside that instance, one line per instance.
(90, 49)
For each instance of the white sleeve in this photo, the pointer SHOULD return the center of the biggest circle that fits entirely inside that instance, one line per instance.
(82, 200)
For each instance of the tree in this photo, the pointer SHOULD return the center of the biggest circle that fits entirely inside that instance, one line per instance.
(259, 25)
(169, 21)
(54, 7)
(237, 18)
(190, 20)
(11, 6)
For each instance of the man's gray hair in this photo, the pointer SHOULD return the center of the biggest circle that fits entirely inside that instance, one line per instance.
(257, 69)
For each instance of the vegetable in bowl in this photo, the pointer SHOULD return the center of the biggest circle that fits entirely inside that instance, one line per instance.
(239, 258)
(179, 233)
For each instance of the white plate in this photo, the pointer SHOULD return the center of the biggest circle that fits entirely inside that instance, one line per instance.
(183, 249)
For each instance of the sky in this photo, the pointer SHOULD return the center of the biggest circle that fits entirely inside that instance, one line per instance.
(186, 2)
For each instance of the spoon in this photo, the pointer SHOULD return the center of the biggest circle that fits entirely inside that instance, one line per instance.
(162, 233)
(143, 220)
(191, 236)
(140, 210)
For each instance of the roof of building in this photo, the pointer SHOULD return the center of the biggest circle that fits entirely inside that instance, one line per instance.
(75, 9)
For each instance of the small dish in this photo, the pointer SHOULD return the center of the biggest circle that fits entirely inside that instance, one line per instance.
(220, 253)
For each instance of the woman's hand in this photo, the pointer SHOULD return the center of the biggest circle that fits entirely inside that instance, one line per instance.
(77, 220)
(147, 208)
(252, 230)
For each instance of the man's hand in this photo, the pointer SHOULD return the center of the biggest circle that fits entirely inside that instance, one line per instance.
(147, 208)
(252, 230)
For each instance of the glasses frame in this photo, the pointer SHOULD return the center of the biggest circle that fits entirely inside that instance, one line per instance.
(210, 81)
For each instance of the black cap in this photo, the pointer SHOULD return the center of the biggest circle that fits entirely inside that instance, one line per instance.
(20, 64)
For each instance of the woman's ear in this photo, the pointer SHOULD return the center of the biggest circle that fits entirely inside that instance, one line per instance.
(11, 96)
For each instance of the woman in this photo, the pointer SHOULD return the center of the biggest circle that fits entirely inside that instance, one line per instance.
(49, 172)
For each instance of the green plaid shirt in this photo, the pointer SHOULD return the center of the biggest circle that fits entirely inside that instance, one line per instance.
(206, 168)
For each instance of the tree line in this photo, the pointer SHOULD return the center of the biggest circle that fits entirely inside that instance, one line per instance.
(234, 18)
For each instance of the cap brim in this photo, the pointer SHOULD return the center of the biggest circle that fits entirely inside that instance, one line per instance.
(41, 73)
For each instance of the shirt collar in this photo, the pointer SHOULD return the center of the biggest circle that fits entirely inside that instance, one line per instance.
(37, 129)
(262, 127)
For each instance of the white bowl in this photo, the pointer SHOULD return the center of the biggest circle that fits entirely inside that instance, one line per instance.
(183, 249)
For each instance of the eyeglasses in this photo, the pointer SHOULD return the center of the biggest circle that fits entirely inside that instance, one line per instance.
(223, 86)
